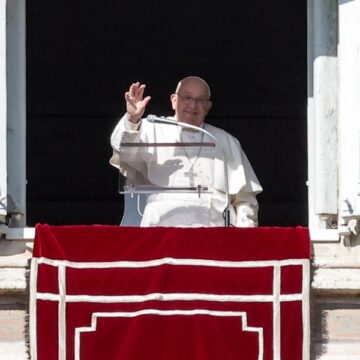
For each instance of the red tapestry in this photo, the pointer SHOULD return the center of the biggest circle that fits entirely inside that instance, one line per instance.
(108, 292)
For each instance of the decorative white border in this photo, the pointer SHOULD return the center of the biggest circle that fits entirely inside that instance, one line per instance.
(62, 312)
(33, 309)
(276, 313)
(240, 314)
(170, 261)
(276, 298)
(109, 299)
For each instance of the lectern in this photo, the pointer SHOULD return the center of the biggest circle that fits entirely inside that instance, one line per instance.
(171, 170)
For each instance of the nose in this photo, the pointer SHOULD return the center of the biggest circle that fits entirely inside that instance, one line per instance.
(193, 104)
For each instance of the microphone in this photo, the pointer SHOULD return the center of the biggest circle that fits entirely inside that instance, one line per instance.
(163, 120)
(160, 119)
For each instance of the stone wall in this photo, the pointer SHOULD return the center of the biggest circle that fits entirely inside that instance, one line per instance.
(335, 300)
(15, 255)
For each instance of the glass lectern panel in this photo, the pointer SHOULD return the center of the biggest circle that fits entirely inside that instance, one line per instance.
(170, 170)
(167, 167)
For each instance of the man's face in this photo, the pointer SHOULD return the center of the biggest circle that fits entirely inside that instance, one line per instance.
(191, 102)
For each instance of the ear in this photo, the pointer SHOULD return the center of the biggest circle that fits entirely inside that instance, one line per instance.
(173, 100)
(209, 106)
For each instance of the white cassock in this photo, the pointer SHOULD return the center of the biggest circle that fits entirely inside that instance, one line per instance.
(155, 165)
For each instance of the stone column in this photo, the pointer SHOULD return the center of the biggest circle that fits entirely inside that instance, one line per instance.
(3, 113)
(16, 110)
(322, 112)
(349, 109)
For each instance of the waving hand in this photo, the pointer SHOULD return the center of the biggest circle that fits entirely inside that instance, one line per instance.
(135, 102)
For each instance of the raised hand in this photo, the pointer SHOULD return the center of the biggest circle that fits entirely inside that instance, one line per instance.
(135, 103)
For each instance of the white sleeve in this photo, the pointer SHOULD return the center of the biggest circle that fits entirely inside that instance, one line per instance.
(246, 207)
(124, 131)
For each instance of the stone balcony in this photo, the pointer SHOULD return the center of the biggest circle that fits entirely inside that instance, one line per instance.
(335, 302)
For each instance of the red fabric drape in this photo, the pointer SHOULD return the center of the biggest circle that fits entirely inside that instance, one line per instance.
(106, 292)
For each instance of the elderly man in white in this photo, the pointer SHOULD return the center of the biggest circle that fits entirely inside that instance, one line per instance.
(191, 103)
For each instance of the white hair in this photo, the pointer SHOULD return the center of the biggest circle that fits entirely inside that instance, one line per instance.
(193, 78)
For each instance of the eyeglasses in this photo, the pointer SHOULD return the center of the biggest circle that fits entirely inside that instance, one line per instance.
(187, 99)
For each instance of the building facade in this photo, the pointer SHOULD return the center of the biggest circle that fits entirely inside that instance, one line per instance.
(333, 131)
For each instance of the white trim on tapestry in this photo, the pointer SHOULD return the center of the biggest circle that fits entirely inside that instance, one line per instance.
(276, 313)
(170, 261)
(276, 297)
(62, 312)
(167, 297)
(33, 309)
(158, 312)
(306, 310)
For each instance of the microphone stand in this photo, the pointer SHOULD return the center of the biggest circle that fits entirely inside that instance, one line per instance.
(162, 120)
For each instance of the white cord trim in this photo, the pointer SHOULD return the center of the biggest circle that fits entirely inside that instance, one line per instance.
(170, 261)
(62, 312)
(166, 297)
(33, 309)
(276, 297)
(277, 313)
(306, 310)
(240, 314)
